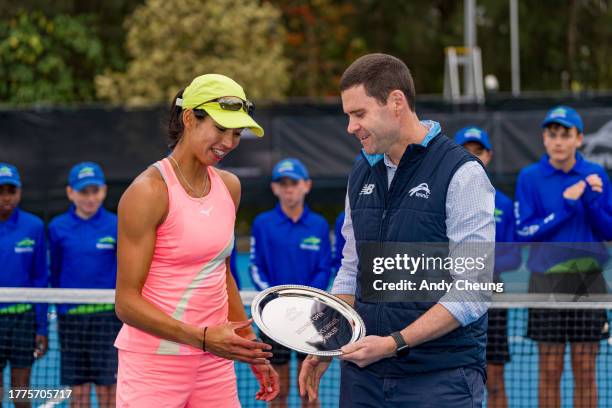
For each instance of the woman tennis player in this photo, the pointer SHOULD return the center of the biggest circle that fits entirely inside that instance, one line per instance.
(184, 322)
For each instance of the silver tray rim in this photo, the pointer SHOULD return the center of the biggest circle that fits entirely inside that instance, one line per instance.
(340, 305)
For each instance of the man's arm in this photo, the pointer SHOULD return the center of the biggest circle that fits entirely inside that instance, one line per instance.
(434, 323)
(345, 282)
(470, 226)
(350, 299)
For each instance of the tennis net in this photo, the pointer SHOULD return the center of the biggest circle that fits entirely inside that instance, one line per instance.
(80, 311)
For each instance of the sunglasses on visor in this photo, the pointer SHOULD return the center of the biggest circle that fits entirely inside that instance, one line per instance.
(231, 103)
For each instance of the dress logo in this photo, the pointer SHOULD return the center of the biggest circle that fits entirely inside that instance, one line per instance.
(206, 211)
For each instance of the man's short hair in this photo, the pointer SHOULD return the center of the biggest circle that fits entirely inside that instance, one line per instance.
(380, 74)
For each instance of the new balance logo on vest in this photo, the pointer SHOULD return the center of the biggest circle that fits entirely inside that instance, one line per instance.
(367, 189)
(422, 190)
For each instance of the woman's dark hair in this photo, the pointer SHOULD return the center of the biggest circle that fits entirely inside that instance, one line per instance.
(175, 121)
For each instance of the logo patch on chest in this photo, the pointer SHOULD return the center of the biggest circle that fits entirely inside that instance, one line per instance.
(24, 246)
(311, 243)
(107, 242)
(422, 191)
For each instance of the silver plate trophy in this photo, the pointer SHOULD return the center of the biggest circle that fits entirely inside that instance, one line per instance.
(307, 319)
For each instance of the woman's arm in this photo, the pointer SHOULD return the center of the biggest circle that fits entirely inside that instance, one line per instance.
(142, 209)
(236, 307)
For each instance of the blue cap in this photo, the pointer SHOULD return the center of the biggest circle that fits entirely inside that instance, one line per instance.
(86, 174)
(9, 175)
(473, 134)
(292, 168)
(565, 116)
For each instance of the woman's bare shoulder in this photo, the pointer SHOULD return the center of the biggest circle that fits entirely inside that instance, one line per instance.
(146, 196)
(232, 182)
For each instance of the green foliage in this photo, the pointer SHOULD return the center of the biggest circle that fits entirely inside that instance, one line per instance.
(48, 60)
(562, 45)
(321, 40)
(325, 36)
(172, 41)
(282, 47)
(105, 17)
(417, 33)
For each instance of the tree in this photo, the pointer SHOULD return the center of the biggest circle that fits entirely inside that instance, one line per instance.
(47, 60)
(172, 41)
(321, 41)
(563, 45)
(105, 17)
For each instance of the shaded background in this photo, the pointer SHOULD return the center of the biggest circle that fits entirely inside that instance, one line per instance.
(45, 143)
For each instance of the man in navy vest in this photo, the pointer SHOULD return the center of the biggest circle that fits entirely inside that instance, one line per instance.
(414, 185)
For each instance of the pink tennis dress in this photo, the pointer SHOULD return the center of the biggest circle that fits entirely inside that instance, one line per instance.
(187, 281)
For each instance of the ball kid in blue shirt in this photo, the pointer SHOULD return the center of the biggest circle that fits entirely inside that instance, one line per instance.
(83, 249)
(23, 327)
(289, 245)
(564, 207)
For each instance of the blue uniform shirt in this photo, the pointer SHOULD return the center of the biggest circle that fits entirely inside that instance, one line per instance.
(339, 242)
(83, 252)
(23, 257)
(286, 252)
(507, 256)
(544, 215)
(234, 266)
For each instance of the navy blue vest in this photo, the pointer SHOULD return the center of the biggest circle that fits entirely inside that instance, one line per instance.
(412, 209)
